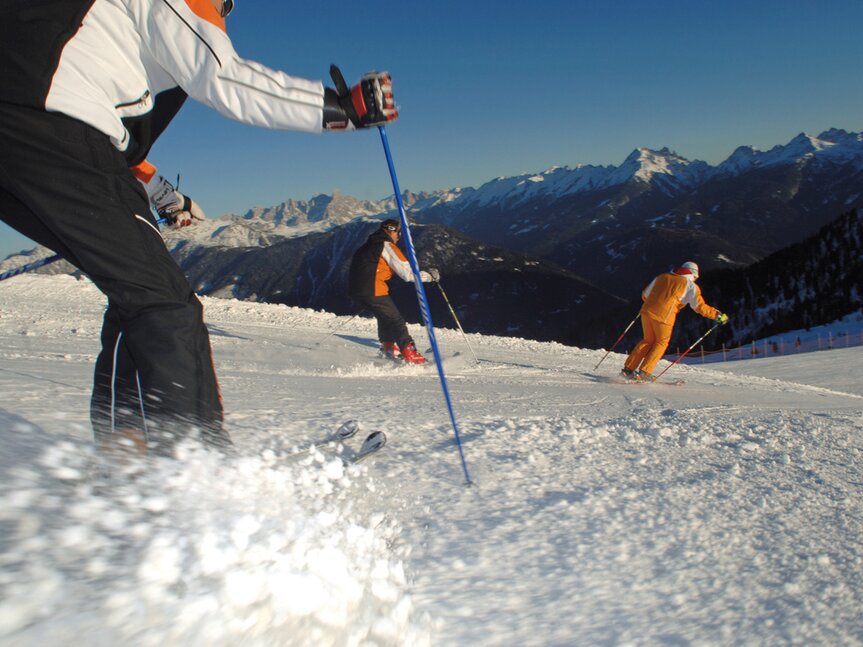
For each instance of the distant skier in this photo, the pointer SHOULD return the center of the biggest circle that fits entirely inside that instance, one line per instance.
(666, 295)
(86, 87)
(372, 267)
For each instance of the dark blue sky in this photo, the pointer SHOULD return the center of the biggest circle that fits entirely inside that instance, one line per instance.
(490, 89)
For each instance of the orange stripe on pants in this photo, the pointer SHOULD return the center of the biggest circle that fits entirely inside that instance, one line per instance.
(650, 350)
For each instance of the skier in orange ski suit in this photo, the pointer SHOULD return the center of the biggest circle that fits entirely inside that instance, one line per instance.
(666, 295)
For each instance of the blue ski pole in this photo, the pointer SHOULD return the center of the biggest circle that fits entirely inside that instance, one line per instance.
(421, 296)
(343, 90)
(29, 266)
(35, 265)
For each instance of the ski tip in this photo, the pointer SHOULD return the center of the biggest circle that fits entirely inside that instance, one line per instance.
(377, 438)
(348, 429)
(373, 442)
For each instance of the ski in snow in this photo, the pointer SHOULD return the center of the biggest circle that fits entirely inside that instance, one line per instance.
(348, 429)
(670, 382)
(667, 382)
(617, 379)
(386, 360)
(373, 442)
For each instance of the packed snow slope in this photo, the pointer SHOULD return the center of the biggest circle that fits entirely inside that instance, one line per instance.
(723, 511)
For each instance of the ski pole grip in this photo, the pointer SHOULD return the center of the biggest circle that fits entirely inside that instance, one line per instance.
(339, 80)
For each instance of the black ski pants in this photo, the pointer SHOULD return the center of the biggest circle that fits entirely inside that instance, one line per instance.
(64, 185)
(391, 324)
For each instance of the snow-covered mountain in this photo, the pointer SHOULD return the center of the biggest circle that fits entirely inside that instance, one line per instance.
(602, 193)
(833, 146)
(663, 168)
(321, 209)
(294, 218)
(610, 227)
(615, 224)
(656, 189)
(493, 290)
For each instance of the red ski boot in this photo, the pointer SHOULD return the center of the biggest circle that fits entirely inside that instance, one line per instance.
(411, 356)
(390, 350)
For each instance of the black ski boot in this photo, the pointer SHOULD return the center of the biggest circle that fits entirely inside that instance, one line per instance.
(629, 375)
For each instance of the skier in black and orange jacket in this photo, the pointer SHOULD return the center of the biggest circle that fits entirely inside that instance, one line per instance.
(372, 266)
(86, 87)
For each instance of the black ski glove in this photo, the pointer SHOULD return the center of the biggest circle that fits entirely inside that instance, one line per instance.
(369, 103)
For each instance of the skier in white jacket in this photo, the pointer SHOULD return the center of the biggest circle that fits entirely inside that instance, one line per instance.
(86, 87)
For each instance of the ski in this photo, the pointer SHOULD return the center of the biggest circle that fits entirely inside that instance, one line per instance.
(669, 382)
(347, 429)
(387, 360)
(620, 380)
(373, 442)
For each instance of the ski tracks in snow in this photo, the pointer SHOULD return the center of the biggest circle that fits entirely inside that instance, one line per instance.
(722, 511)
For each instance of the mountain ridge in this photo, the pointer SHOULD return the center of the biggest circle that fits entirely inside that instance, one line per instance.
(607, 227)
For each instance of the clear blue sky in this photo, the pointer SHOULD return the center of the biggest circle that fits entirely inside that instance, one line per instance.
(490, 89)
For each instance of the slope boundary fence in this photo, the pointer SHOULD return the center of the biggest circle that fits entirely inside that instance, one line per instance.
(773, 347)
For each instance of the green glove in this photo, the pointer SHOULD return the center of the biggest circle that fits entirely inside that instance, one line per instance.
(722, 319)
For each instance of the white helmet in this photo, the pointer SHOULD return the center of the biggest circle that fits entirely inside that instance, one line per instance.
(692, 267)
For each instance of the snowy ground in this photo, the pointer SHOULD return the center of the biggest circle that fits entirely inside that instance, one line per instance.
(723, 511)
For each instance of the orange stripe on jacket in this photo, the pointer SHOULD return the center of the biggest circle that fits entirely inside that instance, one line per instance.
(384, 272)
(204, 9)
(144, 171)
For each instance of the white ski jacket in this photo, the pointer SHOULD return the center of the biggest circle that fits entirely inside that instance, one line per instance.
(110, 61)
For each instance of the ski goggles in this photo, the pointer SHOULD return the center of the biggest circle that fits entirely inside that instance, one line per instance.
(392, 228)
(227, 7)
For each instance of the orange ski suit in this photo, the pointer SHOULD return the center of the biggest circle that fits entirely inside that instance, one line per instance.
(666, 295)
